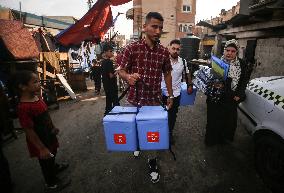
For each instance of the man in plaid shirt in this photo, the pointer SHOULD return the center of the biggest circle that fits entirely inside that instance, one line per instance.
(145, 61)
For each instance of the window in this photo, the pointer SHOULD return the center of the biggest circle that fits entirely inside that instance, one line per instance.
(180, 28)
(189, 29)
(185, 27)
(186, 8)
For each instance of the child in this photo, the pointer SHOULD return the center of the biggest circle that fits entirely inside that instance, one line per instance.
(40, 131)
(95, 75)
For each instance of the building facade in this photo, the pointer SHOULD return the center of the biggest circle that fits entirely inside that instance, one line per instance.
(258, 25)
(179, 17)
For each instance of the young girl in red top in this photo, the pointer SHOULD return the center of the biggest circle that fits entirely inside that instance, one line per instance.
(40, 131)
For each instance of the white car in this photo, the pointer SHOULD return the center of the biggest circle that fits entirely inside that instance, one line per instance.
(262, 114)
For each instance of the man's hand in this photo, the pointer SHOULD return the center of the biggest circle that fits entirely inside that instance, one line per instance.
(170, 103)
(189, 89)
(236, 98)
(133, 78)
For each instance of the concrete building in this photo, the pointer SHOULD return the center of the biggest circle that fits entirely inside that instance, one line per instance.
(258, 25)
(179, 17)
(206, 30)
(259, 28)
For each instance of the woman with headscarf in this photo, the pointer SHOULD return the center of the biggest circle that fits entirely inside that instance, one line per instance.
(222, 114)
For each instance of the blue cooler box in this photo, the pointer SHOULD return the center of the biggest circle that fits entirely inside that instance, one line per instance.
(151, 108)
(185, 98)
(152, 127)
(120, 129)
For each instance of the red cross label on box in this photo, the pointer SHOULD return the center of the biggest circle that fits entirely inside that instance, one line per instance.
(119, 138)
(153, 137)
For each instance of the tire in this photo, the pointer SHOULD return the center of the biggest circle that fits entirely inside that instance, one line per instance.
(269, 161)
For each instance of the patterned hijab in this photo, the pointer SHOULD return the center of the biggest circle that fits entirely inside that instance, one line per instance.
(235, 66)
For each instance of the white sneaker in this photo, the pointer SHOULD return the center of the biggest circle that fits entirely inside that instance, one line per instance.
(155, 177)
(136, 153)
(153, 170)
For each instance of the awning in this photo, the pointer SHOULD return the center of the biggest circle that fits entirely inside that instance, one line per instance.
(215, 28)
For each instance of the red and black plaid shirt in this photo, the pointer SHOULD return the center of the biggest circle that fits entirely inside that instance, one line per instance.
(139, 58)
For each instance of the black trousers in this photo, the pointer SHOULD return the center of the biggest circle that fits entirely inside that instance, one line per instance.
(221, 121)
(5, 176)
(48, 170)
(98, 82)
(172, 113)
(111, 99)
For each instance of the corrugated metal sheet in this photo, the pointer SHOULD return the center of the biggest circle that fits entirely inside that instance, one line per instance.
(44, 21)
(18, 40)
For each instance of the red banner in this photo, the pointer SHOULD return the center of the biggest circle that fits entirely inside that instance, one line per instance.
(94, 24)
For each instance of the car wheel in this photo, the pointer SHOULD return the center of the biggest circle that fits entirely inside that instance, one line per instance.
(269, 158)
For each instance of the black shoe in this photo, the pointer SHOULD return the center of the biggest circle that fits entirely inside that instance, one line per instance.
(61, 167)
(60, 185)
(153, 170)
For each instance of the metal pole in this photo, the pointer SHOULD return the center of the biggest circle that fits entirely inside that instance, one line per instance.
(110, 33)
(20, 10)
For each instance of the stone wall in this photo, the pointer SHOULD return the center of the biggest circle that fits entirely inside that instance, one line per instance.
(269, 56)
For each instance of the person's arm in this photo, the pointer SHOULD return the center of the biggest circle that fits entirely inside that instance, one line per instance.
(188, 74)
(189, 84)
(130, 78)
(168, 81)
(123, 74)
(124, 62)
(110, 69)
(33, 138)
(167, 69)
(243, 81)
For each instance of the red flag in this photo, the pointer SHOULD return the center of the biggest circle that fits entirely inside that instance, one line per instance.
(94, 24)
(118, 2)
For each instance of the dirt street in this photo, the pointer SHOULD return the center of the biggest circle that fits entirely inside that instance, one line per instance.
(198, 169)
